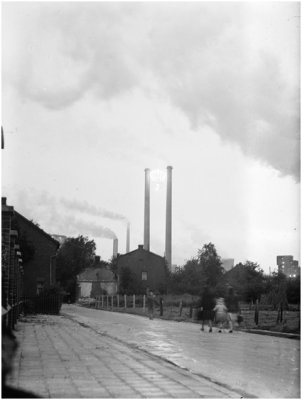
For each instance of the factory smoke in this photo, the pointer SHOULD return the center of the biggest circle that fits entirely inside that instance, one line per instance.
(48, 212)
(85, 207)
(78, 226)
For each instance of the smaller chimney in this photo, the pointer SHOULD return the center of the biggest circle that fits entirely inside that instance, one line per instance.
(128, 238)
(115, 247)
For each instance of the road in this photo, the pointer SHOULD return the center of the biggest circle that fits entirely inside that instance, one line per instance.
(59, 357)
(253, 365)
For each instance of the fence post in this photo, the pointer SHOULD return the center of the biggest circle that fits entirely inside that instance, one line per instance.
(161, 309)
(144, 302)
(134, 301)
(112, 302)
(256, 318)
(280, 313)
(102, 301)
(125, 301)
(180, 308)
(107, 302)
(118, 301)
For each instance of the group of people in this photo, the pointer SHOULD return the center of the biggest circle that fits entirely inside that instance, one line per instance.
(220, 310)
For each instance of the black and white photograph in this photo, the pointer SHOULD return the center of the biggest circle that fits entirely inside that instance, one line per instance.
(150, 226)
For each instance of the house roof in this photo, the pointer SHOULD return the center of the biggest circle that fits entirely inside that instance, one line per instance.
(140, 248)
(32, 224)
(90, 274)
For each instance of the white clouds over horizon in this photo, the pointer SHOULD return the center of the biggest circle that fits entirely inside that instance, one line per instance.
(95, 92)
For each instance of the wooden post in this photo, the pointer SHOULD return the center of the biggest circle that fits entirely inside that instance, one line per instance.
(125, 301)
(161, 308)
(107, 302)
(144, 302)
(112, 302)
(133, 301)
(280, 313)
(256, 318)
(180, 308)
(102, 301)
(118, 301)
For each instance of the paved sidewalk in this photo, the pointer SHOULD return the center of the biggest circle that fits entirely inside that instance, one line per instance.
(60, 358)
(253, 365)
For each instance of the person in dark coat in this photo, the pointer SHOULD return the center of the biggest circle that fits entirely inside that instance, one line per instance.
(232, 304)
(150, 303)
(207, 302)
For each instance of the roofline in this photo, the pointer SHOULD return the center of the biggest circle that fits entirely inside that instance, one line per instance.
(38, 228)
(101, 281)
(147, 251)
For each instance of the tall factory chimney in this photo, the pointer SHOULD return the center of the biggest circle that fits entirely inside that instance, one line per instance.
(147, 211)
(128, 238)
(115, 247)
(168, 247)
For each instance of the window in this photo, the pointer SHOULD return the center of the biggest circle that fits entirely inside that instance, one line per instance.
(144, 276)
(40, 287)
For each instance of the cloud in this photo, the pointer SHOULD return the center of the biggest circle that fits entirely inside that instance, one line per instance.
(222, 64)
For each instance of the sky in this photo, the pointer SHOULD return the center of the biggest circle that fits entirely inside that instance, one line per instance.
(94, 93)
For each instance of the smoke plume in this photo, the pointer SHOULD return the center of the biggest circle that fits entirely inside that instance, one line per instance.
(85, 207)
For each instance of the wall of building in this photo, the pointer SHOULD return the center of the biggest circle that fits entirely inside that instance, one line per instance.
(40, 271)
(140, 261)
(12, 269)
(96, 288)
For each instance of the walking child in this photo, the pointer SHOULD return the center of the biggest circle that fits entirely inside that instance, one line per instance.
(221, 315)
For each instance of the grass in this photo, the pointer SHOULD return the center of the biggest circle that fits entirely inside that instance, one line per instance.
(172, 311)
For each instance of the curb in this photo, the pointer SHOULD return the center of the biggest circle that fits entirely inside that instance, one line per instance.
(272, 333)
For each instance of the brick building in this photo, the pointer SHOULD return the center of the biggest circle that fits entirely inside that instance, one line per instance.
(40, 262)
(12, 267)
(149, 268)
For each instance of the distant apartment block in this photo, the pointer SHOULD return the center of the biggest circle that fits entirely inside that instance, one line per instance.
(228, 263)
(288, 266)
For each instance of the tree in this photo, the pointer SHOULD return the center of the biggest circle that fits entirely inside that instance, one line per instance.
(199, 272)
(73, 257)
(211, 265)
(247, 280)
(293, 290)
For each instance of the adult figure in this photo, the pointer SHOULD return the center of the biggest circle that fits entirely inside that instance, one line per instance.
(233, 307)
(207, 303)
(150, 303)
